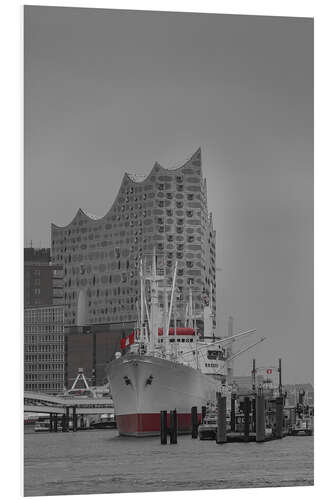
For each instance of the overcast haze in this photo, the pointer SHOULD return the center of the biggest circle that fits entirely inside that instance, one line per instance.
(113, 91)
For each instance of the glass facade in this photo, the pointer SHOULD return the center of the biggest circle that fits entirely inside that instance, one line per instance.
(44, 349)
(101, 257)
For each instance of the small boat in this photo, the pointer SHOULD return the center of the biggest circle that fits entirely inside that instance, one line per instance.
(44, 426)
(105, 421)
(208, 428)
(302, 426)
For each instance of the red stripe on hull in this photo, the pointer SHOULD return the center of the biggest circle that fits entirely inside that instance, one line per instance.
(148, 424)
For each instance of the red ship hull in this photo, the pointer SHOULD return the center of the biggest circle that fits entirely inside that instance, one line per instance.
(148, 424)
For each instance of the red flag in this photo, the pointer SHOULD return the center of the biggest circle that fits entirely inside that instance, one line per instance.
(130, 339)
(126, 341)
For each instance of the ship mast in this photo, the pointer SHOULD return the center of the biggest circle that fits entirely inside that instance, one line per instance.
(142, 304)
(154, 303)
(165, 336)
(190, 309)
(153, 315)
(172, 296)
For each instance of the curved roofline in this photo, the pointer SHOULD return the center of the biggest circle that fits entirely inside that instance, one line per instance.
(127, 178)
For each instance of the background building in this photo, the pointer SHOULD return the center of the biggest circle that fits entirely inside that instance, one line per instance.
(101, 257)
(244, 382)
(293, 391)
(43, 284)
(44, 349)
(91, 348)
(43, 322)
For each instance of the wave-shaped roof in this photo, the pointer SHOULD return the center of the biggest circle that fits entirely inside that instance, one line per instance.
(133, 179)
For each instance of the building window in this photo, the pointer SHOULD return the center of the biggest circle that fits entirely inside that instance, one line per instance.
(190, 196)
(179, 204)
(190, 239)
(161, 187)
(169, 212)
(169, 196)
(189, 213)
(170, 237)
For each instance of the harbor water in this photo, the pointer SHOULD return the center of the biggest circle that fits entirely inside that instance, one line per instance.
(99, 461)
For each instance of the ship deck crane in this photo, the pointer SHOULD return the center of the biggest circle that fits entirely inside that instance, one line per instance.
(247, 348)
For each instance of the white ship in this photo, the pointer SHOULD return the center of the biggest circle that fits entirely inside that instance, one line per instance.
(166, 372)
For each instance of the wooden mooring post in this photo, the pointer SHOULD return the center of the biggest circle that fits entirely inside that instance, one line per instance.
(51, 422)
(221, 432)
(163, 426)
(67, 419)
(55, 422)
(74, 419)
(247, 409)
(260, 417)
(194, 414)
(254, 414)
(203, 413)
(254, 375)
(279, 417)
(63, 423)
(173, 427)
(233, 413)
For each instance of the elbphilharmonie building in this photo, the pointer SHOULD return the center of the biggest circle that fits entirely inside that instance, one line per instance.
(168, 212)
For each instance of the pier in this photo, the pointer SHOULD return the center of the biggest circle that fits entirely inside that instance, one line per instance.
(258, 415)
(66, 413)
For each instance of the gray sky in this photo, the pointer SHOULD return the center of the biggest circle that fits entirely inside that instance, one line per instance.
(113, 91)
